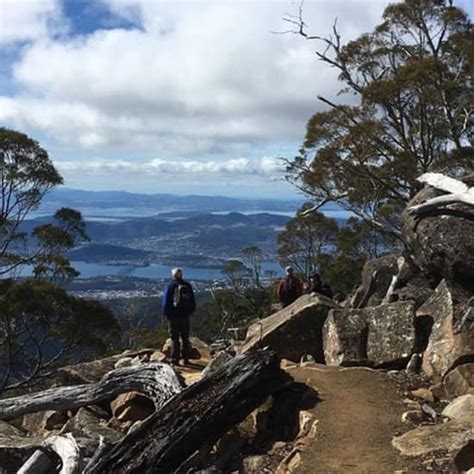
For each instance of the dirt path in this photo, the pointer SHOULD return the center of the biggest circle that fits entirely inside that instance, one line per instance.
(359, 413)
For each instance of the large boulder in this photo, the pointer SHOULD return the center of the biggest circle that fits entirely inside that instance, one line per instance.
(377, 276)
(448, 343)
(441, 243)
(345, 337)
(293, 331)
(383, 334)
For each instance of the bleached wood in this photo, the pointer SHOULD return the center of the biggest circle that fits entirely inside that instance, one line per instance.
(157, 381)
(66, 448)
(458, 193)
(443, 183)
(196, 417)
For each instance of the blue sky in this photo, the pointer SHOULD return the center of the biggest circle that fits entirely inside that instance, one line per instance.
(168, 96)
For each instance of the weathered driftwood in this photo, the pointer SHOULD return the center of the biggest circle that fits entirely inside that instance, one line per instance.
(157, 381)
(65, 447)
(68, 451)
(457, 193)
(196, 417)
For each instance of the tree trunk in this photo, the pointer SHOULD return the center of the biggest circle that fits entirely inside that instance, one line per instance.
(157, 381)
(196, 417)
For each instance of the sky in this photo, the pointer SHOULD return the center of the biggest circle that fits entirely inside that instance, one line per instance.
(183, 97)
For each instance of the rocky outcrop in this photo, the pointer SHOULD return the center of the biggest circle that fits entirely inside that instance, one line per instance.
(293, 331)
(448, 344)
(441, 243)
(383, 334)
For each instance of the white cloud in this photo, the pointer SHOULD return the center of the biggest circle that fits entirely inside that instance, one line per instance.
(198, 78)
(26, 20)
(266, 166)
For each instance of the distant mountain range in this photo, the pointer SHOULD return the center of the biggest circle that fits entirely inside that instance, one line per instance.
(159, 203)
(198, 231)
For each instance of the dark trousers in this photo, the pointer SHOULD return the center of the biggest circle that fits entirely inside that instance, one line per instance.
(179, 328)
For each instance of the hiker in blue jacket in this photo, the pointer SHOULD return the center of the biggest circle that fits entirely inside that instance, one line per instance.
(178, 304)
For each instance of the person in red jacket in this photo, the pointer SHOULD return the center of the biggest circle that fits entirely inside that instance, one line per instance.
(290, 288)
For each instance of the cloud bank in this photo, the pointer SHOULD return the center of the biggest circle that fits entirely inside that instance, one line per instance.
(266, 166)
(193, 79)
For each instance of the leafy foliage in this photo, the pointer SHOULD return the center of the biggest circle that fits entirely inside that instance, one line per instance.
(42, 326)
(412, 78)
(26, 175)
(307, 241)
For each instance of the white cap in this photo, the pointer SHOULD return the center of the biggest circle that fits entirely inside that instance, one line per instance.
(289, 269)
(176, 271)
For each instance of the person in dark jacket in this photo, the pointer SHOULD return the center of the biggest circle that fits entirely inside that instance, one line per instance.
(317, 286)
(178, 304)
(290, 288)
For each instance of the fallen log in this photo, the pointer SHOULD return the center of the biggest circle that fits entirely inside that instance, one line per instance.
(196, 417)
(67, 450)
(157, 381)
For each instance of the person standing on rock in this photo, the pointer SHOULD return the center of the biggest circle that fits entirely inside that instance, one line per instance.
(178, 304)
(290, 288)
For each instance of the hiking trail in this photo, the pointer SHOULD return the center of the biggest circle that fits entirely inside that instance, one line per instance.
(358, 415)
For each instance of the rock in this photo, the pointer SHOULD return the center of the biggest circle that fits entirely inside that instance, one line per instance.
(423, 394)
(37, 423)
(438, 391)
(9, 430)
(383, 334)
(460, 407)
(294, 331)
(464, 459)
(448, 437)
(124, 362)
(413, 416)
(446, 345)
(429, 412)
(254, 464)
(345, 337)
(417, 290)
(377, 277)
(441, 244)
(459, 381)
(132, 406)
(89, 372)
(157, 356)
(87, 424)
(391, 332)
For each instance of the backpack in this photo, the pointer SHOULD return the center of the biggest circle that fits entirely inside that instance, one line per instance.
(182, 298)
(290, 290)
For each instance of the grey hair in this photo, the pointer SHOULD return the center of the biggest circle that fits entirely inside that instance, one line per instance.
(175, 271)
